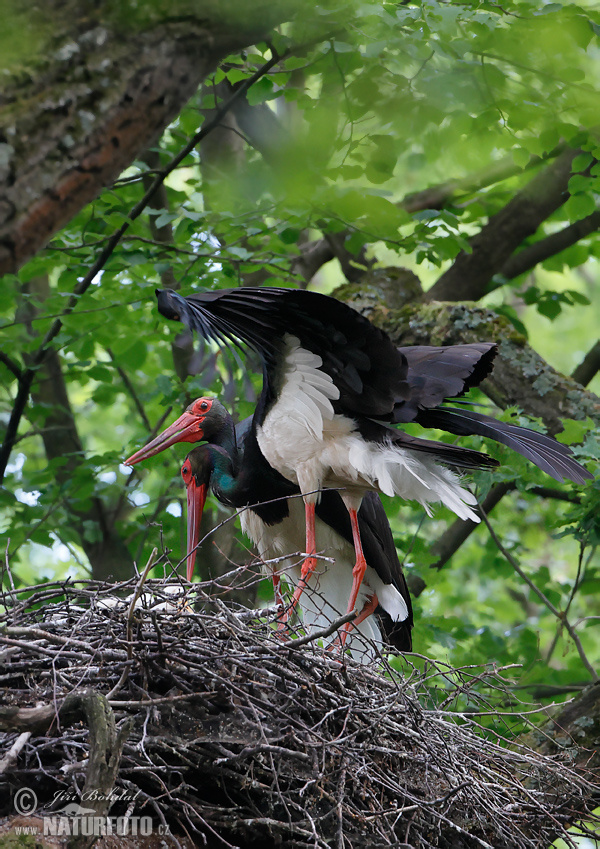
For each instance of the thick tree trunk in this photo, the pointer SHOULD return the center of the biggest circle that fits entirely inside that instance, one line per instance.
(111, 80)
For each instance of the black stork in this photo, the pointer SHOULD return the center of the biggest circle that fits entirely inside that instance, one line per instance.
(333, 386)
(231, 464)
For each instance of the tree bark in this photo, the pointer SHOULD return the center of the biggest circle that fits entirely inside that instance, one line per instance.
(108, 85)
(469, 275)
(520, 376)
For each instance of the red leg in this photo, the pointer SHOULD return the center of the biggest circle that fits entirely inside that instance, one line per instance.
(358, 573)
(360, 566)
(276, 578)
(309, 565)
(369, 608)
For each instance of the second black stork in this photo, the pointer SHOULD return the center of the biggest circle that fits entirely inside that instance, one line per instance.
(334, 384)
(231, 464)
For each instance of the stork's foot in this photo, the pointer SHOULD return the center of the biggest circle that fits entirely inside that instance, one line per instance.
(369, 607)
(336, 647)
(282, 631)
(308, 568)
(282, 635)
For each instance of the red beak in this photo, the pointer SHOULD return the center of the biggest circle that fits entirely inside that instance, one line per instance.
(196, 498)
(187, 428)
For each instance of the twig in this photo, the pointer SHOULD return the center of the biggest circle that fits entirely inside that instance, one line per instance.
(136, 595)
(11, 365)
(322, 632)
(589, 366)
(130, 388)
(13, 753)
(560, 616)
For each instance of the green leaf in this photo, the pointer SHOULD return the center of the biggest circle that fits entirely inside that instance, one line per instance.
(260, 91)
(289, 235)
(135, 356)
(579, 183)
(343, 47)
(101, 373)
(549, 305)
(165, 218)
(581, 162)
(164, 385)
(579, 206)
(521, 157)
(574, 430)
(236, 75)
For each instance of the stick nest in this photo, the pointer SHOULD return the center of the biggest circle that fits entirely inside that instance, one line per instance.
(242, 739)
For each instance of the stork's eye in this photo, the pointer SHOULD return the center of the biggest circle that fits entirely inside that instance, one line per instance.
(186, 473)
(204, 406)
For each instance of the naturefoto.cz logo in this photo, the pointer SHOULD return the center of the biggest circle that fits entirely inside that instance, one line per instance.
(75, 818)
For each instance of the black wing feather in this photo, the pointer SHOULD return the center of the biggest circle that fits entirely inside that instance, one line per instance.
(362, 360)
(435, 374)
(451, 455)
(549, 455)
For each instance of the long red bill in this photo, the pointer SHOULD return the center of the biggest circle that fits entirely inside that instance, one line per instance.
(187, 428)
(196, 498)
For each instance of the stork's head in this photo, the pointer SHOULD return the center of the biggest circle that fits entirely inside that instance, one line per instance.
(204, 419)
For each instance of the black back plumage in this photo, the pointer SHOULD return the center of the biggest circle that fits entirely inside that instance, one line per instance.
(376, 380)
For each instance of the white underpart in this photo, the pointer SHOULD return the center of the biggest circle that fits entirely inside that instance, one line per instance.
(307, 443)
(326, 597)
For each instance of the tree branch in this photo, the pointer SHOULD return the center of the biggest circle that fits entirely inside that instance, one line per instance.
(468, 277)
(11, 365)
(589, 366)
(530, 256)
(440, 195)
(542, 596)
(460, 530)
(312, 256)
(84, 284)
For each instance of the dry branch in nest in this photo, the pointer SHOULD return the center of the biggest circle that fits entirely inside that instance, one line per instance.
(232, 737)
